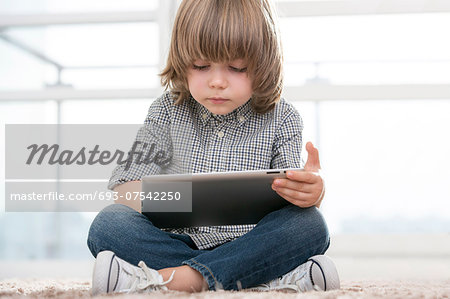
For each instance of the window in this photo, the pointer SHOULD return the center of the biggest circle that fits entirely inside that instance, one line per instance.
(373, 91)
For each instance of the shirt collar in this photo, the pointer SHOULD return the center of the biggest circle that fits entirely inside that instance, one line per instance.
(240, 114)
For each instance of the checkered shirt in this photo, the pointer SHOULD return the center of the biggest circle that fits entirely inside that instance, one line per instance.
(198, 141)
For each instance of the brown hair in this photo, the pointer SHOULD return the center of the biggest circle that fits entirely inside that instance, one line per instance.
(222, 31)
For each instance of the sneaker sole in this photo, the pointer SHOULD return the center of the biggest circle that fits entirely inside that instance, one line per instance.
(101, 278)
(323, 273)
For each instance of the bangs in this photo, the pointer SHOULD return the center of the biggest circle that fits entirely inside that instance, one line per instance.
(219, 32)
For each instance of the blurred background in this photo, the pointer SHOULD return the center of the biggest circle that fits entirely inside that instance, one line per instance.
(371, 80)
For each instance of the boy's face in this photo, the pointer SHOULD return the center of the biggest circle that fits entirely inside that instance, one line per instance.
(220, 87)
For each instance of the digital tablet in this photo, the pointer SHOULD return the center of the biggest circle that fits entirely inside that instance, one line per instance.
(209, 199)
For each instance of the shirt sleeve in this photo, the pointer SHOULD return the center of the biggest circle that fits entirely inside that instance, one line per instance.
(287, 146)
(152, 148)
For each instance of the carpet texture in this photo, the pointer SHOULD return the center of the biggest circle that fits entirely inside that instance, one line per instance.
(66, 288)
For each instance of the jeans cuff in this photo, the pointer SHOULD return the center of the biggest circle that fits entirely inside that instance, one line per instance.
(213, 284)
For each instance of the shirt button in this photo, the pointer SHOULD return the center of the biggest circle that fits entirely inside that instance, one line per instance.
(220, 134)
(241, 118)
(204, 115)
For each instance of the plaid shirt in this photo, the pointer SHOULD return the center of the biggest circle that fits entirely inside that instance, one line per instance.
(198, 141)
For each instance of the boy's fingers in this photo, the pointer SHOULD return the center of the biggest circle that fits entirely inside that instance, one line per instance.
(303, 202)
(293, 185)
(303, 176)
(294, 195)
(313, 162)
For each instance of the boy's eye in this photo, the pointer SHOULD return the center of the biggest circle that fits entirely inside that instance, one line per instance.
(200, 67)
(232, 68)
(239, 70)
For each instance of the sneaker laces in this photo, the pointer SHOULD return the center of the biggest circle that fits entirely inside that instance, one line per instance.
(145, 279)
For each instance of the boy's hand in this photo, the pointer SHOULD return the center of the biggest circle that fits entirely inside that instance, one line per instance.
(303, 188)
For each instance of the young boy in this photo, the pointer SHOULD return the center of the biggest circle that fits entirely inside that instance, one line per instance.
(223, 113)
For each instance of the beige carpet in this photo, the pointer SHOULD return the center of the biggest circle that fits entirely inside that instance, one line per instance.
(66, 288)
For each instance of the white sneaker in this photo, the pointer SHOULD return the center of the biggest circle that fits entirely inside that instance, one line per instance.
(318, 273)
(114, 275)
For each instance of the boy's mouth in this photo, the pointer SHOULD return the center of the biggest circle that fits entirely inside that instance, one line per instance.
(218, 100)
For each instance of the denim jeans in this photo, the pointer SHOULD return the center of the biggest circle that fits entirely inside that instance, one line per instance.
(280, 242)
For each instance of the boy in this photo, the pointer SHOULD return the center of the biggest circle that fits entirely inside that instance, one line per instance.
(223, 112)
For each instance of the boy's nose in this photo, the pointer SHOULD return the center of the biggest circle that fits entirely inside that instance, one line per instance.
(218, 80)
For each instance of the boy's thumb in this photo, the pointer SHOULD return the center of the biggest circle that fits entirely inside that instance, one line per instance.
(313, 162)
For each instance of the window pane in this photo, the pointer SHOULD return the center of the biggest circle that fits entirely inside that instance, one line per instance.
(112, 78)
(90, 45)
(70, 6)
(387, 72)
(130, 111)
(18, 70)
(372, 49)
(83, 47)
(387, 165)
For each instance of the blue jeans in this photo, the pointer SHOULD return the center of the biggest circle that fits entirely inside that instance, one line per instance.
(280, 242)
